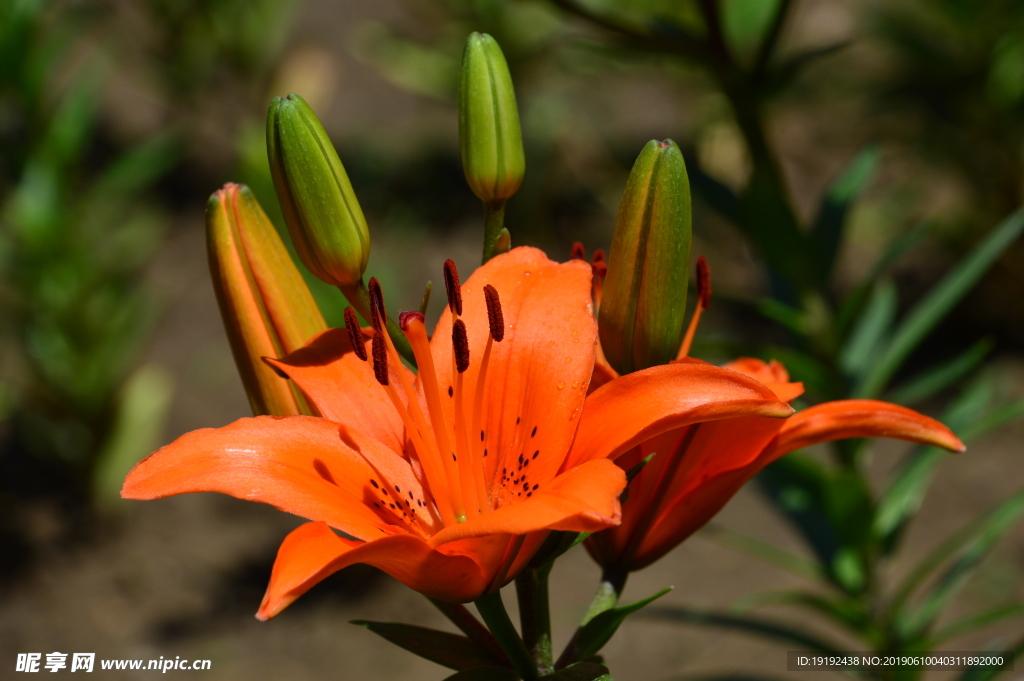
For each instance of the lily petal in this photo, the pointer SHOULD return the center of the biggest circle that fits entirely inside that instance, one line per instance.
(300, 464)
(773, 374)
(537, 376)
(641, 405)
(313, 552)
(583, 499)
(343, 387)
(859, 418)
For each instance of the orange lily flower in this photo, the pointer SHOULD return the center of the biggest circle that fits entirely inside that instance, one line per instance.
(450, 479)
(698, 468)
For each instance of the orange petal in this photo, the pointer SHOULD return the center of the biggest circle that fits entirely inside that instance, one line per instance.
(313, 551)
(343, 387)
(772, 374)
(644, 404)
(860, 418)
(299, 464)
(583, 499)
(538, 375)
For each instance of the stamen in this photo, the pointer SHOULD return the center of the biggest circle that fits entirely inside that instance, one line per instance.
(598, 256)
(378, 315)
(460, 344)
(415, 422)
(495, 319)
(452, 287)
(599, 269)
(578, 252)
(704, 282)
(703, 301)
(355, 336)
(416, 332)
(380, 358)
(478, 403)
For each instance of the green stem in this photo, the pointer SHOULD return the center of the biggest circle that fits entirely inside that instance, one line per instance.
(469, 625)
(535, 615)
(492, 609)
(359, 298)
(613, 581)
(494, 229)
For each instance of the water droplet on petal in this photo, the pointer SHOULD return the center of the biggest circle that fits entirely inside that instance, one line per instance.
(575, 384)
(561, 384)
(568, 359)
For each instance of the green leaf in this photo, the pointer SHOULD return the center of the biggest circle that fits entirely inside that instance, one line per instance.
(795, 485)
(870, 330)
(998, 418)
(744, 623)
(581, 671)
(907, 490)
(986, 673)
(939, 377)
(449, 650)
(598, 631)
(976, 621)
(846, 612)
(969, 546)
(827, 230)
(485, 674)
(938, 303)
(769, 553)
(717, 195)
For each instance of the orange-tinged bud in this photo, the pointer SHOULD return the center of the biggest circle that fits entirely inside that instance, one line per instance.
(267, 308)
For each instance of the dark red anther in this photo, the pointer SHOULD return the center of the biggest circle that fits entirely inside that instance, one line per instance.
(380, 358)
(453, 287)
(405, 317)
(495, 319)
(598, 256)
(704, 282)
(378, 315)
(355, 336)
(578, 252)
(460, 343)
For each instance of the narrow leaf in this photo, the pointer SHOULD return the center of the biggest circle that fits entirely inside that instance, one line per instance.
(938, 303)
(449, 650)
(827, 230)
(768, 552)
(870, 330)
(969, 545)
(598, 631)
(485, 674)
(939, 377)
(907, 490)
(744, 623)
(987, 673)
(976, 621)
(846, 612)
(581, 671)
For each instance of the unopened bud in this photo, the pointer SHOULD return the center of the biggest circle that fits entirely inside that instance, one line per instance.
(323, 216)
(644, 297)
(489, 136)
(267, 308)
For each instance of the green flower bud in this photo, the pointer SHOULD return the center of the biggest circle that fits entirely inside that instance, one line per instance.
(267, 308)
(323, 215)
(644, 299)
(489, 136)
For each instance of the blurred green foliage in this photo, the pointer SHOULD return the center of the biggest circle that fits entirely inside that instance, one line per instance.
(81, 220)
(954, 84)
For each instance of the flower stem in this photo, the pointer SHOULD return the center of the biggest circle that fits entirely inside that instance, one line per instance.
(535, 615)
(492, 609)
(359, 297)
(613, 581)
(494, 226)
(462, 618)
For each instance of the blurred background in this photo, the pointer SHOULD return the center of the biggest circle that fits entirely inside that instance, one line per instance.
(853, 163)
